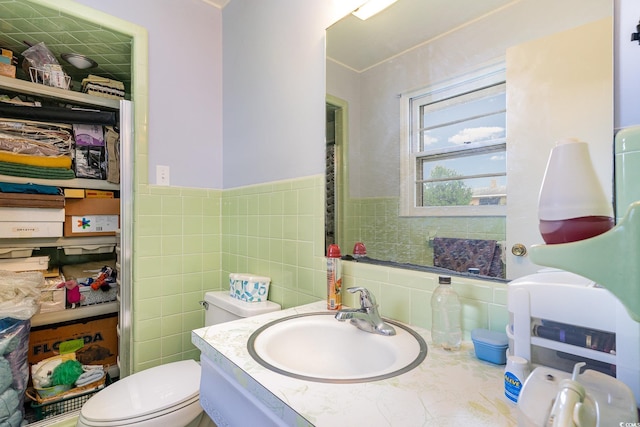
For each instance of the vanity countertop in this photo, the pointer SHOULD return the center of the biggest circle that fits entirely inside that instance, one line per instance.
(447, 389)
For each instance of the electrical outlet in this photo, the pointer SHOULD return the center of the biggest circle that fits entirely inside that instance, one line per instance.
(162, 175)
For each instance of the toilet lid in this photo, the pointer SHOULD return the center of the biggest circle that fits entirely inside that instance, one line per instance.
(145, 392)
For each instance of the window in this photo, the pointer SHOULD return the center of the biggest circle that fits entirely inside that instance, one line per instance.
(454, 148)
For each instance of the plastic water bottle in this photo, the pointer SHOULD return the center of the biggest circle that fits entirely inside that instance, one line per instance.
(445, 316)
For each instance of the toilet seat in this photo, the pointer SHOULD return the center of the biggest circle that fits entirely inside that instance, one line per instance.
(171, 390)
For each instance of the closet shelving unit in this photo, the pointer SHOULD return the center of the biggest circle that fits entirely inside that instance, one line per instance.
(22, 87)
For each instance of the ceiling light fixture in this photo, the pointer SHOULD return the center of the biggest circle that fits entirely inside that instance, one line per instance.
(372, 7)
(81, 62)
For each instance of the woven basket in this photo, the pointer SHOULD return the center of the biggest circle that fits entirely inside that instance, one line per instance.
(45, 393)
(34, 394)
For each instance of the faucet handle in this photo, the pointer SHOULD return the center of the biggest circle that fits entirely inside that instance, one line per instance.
(367, 300)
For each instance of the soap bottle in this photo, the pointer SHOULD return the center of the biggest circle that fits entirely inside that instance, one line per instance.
(445, 316)
(334, 278)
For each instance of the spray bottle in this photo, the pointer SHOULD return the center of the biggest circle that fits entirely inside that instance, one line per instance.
(334, 278)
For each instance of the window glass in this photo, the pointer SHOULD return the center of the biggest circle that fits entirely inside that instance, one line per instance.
(457, 149)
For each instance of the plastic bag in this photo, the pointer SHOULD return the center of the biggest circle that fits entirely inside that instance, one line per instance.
(14, 350)
(43, 67)
(39, 55)
(20, 293)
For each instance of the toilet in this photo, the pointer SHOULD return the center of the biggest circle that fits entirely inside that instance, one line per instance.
(166, 395)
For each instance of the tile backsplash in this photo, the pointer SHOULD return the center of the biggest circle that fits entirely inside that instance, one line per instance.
(177, 259)
(187, 241)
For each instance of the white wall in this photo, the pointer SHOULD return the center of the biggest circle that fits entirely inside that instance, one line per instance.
(185, 85)
(273, 67)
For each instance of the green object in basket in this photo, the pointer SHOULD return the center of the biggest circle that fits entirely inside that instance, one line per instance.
(66, 373)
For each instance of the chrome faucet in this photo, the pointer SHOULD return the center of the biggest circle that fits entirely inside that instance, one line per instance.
(366, 317)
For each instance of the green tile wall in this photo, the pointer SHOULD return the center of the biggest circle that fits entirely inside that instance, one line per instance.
(277, 230)
(187, 241)
(177, 260)
(376, 222)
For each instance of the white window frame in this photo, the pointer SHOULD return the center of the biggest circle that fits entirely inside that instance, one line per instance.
(486, 76)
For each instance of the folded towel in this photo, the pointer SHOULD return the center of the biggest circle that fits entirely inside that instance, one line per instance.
(29, 188)
(31, 160)
(17, 169)
(89, 376)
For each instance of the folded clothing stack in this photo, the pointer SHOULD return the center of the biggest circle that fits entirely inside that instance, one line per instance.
(103, 87)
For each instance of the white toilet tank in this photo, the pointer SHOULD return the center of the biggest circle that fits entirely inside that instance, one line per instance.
(221, 307)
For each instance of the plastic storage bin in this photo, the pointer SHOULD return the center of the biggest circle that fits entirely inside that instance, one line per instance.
(490, 346)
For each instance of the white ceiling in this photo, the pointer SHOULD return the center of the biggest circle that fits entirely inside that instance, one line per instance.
(217, 3)
(361, 44)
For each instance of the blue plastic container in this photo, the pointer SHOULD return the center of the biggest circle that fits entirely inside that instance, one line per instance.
(490, 346)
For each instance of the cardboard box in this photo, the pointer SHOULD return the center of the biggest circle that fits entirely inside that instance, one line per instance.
(31, 222)
(32, 214)
(99, 193)
(21, 229)
(92, 217)
(8, 70)
(74, 193)
(99, 334)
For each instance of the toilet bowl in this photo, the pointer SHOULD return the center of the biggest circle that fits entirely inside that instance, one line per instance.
(166, 395)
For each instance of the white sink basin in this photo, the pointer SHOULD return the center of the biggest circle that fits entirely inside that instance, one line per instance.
(317, 347)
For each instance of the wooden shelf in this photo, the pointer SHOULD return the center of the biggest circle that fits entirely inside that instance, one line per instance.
(35, 89)
(74, 314)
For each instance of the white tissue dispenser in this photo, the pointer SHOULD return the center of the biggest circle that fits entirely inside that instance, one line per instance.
(557, 319)
(249, 287)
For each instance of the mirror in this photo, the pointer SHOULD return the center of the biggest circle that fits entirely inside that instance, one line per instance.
(412, 45)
